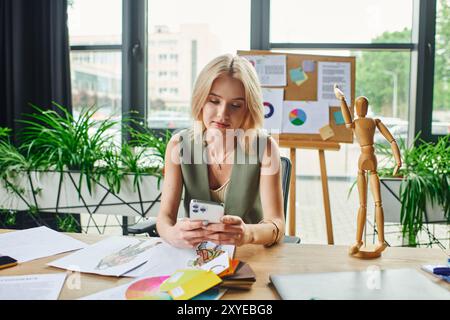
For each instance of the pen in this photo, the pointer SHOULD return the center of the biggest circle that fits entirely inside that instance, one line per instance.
(7, 262)
(442, 271)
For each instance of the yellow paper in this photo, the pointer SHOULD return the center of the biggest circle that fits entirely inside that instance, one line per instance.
(178, 278)
(326, 132)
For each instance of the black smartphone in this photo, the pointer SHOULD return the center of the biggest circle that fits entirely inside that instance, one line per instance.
(6, 262)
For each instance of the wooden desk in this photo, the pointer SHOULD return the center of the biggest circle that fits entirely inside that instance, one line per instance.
(281, 259)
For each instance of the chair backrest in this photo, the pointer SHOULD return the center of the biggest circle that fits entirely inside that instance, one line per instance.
(285, 180)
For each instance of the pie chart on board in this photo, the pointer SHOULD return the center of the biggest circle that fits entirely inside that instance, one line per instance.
(270, 109)
(147, 289)
(297, 117)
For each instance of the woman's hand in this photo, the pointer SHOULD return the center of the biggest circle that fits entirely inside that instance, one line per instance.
(231, 230)
(187, 233)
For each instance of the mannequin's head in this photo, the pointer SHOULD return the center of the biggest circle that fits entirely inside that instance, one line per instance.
(361, 106)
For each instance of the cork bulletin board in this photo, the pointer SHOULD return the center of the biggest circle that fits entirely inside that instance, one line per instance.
(308, 91)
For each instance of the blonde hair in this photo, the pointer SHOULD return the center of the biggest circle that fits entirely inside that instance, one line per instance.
(238, 68)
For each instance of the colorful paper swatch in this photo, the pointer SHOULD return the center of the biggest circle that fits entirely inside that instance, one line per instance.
(211, 294)
(188, 283)
(231, 269)
(338, 117)
(147, 289)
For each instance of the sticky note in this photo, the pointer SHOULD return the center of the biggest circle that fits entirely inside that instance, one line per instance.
(298, 76)
(326, 132)
(188, 283)
(338, 117)
(308, 66)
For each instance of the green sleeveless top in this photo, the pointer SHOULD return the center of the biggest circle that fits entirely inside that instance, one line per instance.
(242, 197)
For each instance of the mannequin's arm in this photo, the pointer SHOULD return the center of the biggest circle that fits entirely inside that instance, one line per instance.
(344, 108)
(395, 150)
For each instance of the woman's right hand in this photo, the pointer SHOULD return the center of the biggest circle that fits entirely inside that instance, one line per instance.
(187, 233)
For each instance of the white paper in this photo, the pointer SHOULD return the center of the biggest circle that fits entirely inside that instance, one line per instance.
(304, 117)
(271, 69)
(111, 257)
(273, 109)
(116, 293)
(330, 73)
(36, 243)
(171, 259)
(32, 287)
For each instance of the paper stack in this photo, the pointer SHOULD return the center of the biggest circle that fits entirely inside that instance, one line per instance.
(242, 278)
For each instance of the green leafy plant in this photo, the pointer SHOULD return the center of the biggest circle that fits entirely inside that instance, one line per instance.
(152, 149)
(11, 160)
(425, 180)
(4, 132)
(67, 223)
(7, 217)
(57, 140)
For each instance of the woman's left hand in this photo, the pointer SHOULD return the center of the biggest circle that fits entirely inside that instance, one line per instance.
(231, 230)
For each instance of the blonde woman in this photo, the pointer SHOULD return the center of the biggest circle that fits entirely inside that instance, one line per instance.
(225, 158)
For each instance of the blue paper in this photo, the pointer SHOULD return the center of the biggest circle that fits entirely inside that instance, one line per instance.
(297, 75)
(338, 117)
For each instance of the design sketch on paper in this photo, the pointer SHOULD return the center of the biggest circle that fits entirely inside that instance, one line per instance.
(206, 253)
(124, 255)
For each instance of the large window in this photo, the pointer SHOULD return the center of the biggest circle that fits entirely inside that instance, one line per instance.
(96, 57)
(390, 39)
(381, 41)
(377, 36)
(349, 21)
(441, 96)
(180, 43)
(384, 78)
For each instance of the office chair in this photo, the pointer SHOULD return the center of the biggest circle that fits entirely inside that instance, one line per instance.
(286, 168)
(149, 226)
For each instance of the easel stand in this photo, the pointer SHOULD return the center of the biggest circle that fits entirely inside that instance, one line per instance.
(321, 146)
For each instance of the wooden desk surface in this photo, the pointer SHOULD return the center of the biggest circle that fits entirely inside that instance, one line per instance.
(281, 259)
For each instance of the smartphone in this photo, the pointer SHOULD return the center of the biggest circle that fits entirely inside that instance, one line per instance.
(6, 262)
(206, 211)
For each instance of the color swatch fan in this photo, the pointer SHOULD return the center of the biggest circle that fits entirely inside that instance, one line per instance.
(147, 289)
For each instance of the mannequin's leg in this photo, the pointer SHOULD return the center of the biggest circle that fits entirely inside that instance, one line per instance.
(362, 212)
(379, 214)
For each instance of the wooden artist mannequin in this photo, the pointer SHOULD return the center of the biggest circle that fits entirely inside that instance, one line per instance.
(364, 129)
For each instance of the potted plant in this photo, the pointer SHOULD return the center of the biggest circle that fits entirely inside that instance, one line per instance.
(421, 192)
(16, 214)
(73, 165)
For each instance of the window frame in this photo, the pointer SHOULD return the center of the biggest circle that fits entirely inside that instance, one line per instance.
(421, 48)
